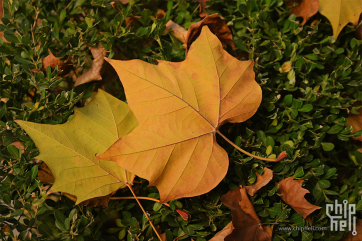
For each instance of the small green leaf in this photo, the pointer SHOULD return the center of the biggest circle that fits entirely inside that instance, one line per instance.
(306, 108)
(121, 234)
(15, 152)
(157, 207)
(34, 171)
(327, 146)
(269, 149)
(299, 172)
(44, 229)
(288, 100)
(16, 213)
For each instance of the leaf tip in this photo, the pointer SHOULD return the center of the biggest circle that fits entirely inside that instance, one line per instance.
(281, 156)
(184, 215)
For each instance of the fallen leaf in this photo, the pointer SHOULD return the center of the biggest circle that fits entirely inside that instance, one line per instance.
(94, 71)
(179, 32)
(355, 121)
(46, 176)
(131, 20)
(358, 237)
(220, 236)
(53, 61)
(69, 149)
(340, 13)
(180, 107)
(160, 14)
(292, 193)
(246, 223)
(215, 23)
(305, 9)
(261, 181)
(202, 6)
(184, 215)
(269, 230)
(18, 145)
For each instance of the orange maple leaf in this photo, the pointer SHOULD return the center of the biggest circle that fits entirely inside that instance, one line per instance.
(180, 107)
(293, 194)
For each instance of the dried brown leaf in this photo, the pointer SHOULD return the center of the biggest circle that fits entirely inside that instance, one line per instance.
(292, 193)
(53, 61)
(202, 6)
(215, 23)
(45, 175)
(163, 236)
(355, 121)
(305, 9)
(160, 14)
(179, 32)
(358, 237)
(18, 145)
(184, 215)
(220, 236)
(246, 223)
(261, 181)
(94, 71)
(269, 230)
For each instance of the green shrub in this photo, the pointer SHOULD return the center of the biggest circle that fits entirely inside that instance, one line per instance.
(303, 112)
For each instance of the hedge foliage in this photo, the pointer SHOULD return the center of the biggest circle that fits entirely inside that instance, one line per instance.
(304, 112)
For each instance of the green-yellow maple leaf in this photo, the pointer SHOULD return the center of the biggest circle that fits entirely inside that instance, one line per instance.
(340, 13)
(70, 149)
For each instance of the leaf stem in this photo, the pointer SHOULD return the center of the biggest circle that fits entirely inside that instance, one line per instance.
(280, 157)
(130, 188)
(144, 198)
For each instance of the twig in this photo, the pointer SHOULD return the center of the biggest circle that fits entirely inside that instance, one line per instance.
(130, 188)
(280, 157)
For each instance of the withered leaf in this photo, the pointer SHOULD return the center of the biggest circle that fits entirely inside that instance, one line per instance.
(179, 32)
(18, 145)
(305, 9)
(94, 71)
(246, 223)
(45, 175)
(202, 6)
(261, 181)
(351, 237)
(53, 61)
(292, 193)
(216, 25)
(180, 107)
(221, 235)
